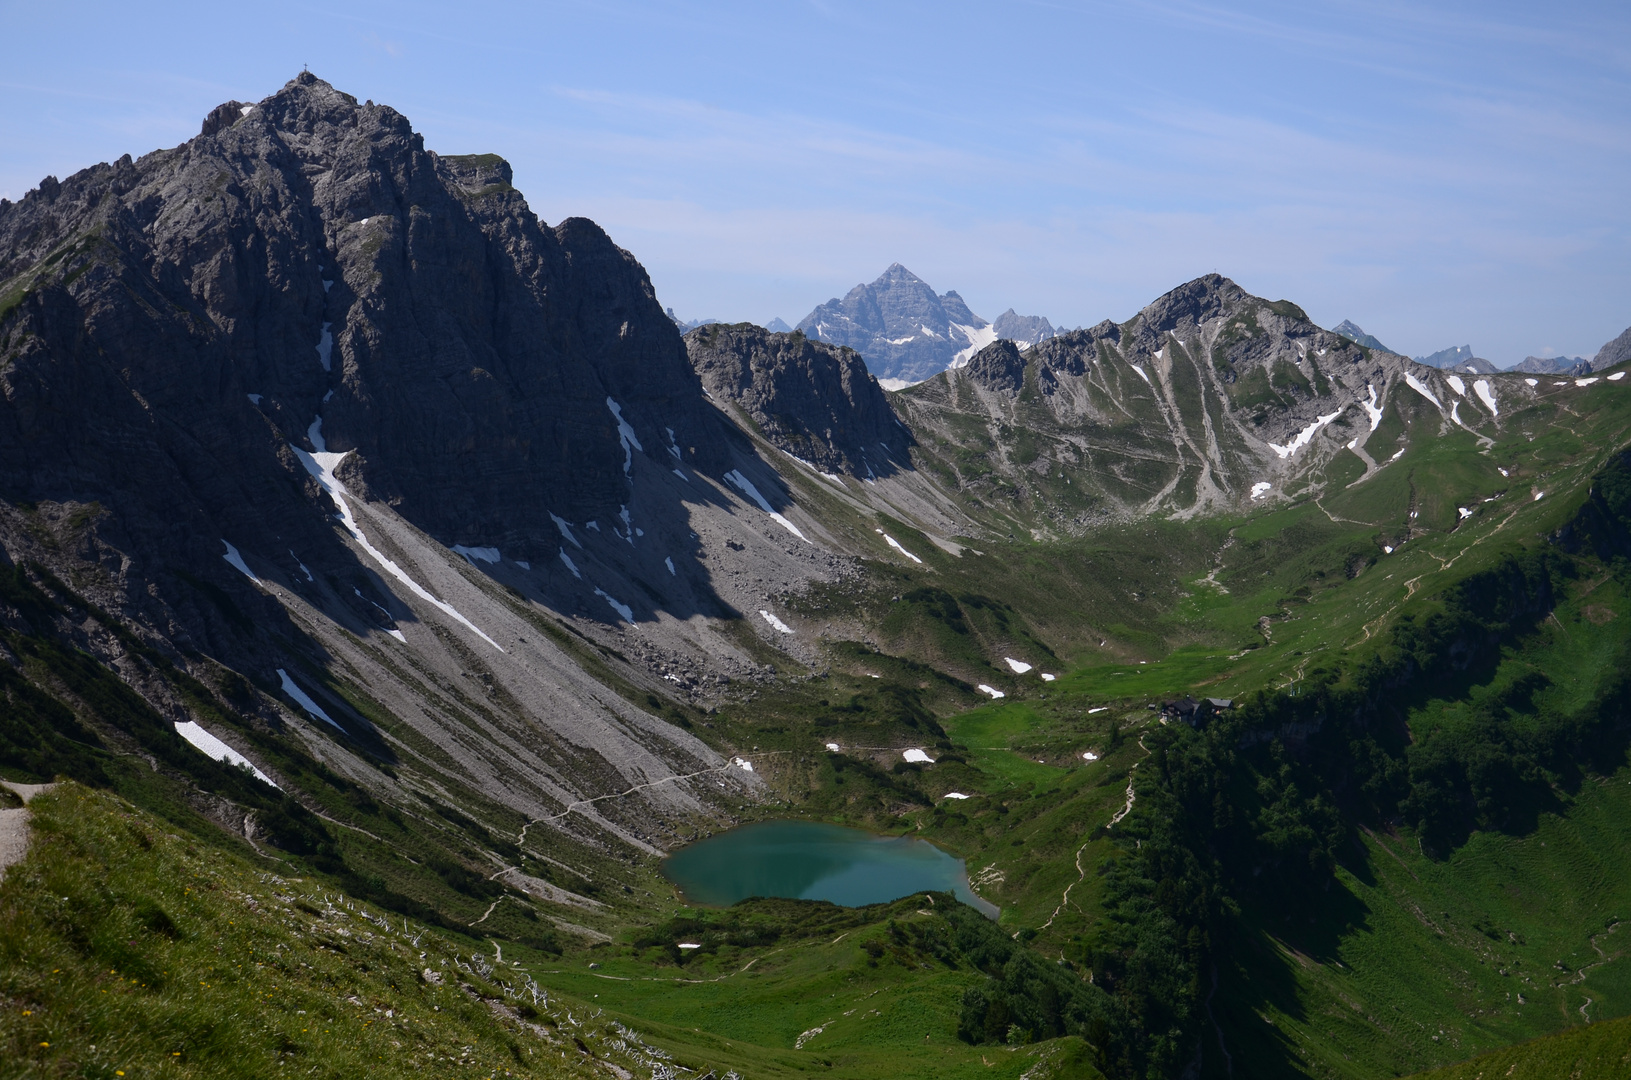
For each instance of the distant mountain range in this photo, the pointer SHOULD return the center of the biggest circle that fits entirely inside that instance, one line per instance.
(1461, 358)
(692, 324)
(1554, 365)
(1458, 358)
(907, 332)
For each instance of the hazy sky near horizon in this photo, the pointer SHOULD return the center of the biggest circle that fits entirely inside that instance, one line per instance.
(1441, 173)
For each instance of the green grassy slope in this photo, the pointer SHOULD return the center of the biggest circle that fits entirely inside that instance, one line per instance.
(1598, 1052)
(129, 950)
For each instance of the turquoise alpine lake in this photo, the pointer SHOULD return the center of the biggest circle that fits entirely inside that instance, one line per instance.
(809, 860)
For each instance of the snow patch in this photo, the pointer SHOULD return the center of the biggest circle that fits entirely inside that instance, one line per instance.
(1532, 382)
(1306, 435)
(808, 465)
(566, 530)
(321, 465)
(1397, 454)
(1457, 385)
(237, 562)
(915, 754)
(954, 795)
(669, 562)
(625, 435)
(1088, 755)
(834, 747)
(1486, 394)
(1585, 382)
(775, 623)
(896, 545)
(1019, 666)
(325, 346)
(217, 750)
(242, 112)
(523, 564)
(314, 710)
(1260, 489)
(622, 609)
(1099, 709)
(993, 691)
(1373, 408)
(1539, 495)
(399, 635)
(1421, 388)
(1048, 678)
(742, 763)
(682, 476)
(1142, 375)
(570, 565)
(1617, 376)
(744, 485)
(302, 565)
(487, 555)
(1159, 351)
(1464, 511)
(255, 399)
(1387, 549)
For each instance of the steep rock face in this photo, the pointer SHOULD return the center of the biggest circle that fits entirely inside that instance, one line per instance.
(810, 399)
(901, 326)
(1614, 352)
(305, 257)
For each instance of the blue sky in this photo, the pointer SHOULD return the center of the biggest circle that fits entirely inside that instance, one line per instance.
(1441, 173)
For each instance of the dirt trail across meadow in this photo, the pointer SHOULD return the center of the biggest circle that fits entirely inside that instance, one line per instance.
(14, 825)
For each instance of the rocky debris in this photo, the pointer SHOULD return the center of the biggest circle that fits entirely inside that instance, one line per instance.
(810, 399)
(1614, 352)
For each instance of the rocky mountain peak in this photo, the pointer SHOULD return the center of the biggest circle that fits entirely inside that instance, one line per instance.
(999, 367)
(1192, 304)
